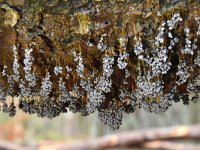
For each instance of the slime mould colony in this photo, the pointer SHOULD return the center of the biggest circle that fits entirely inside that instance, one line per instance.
(109, 56)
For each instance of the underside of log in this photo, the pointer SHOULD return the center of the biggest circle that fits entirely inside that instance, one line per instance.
(107, 56)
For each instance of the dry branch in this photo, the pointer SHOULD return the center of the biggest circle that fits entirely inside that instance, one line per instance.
(4, 145)
(138, 138)
(151, 139)
(164, 145)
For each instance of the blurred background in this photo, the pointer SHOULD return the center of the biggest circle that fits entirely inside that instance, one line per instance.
(26, 129)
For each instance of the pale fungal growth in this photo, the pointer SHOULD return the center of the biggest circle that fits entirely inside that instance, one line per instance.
(80, 66)
(104, 84)
(174, 20)
(138, 47)
(64, 94)
(160, 36)
(123, 61)
(25, 91)
(29, 76)
(58, 70)
(46, 86)
(188, 45)
(95, 98)
(170, 35)
(107, 65)
(197, 60)
(111, 117)
(2, 93)
(4, 72)
(101, 46)
(183, 73)
(173, 42)
(127, 73)
(194, 85)
(148, 88)
(16, 66)
(11, 83)
(160, 64)
(198, 22)
(68, 69)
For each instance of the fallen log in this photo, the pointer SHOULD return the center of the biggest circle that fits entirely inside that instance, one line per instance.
(4, 145)
(165, 145)
(152, 139)
(137, 138)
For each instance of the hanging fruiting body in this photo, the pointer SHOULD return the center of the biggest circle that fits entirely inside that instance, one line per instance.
(104, 56)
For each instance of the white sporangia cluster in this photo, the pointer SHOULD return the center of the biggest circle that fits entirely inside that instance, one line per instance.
(194, 45)
(195, 83)
(160, 65)
(68, 71)
(108, 63)
(188, 46)
(86, 85)
(46, 86)
(91, 74)
(16, 66)
(80, 66)
(198, 22)
(25, 90)
(171, 24)
(149, 88)
(95, 98)
(183, 73)
(2, 93)
(121, 61)
(160, 37)
(161, 105)
(173, 42)
(138, 47)
(170, 35)
(64, 94)
(11, 85)
(58, 70)
(4, 72)
(111, 117)
(103, 84)
(165, 101)
(127, 73)
(197, 60)
(174, 20)
(101, 46)
(62, 87)
(29, 76)
(147, 59)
